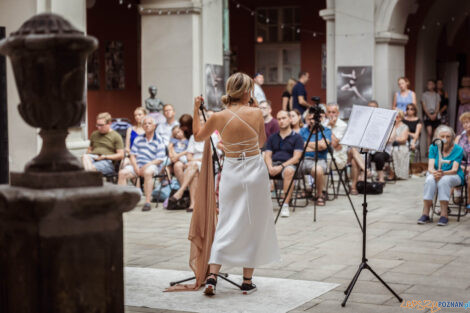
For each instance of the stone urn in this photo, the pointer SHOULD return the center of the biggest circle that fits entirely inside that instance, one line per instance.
(48, 57)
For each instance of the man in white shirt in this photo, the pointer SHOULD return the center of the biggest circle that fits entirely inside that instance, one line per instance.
(164, 129)
(338, 128)
(258, 91)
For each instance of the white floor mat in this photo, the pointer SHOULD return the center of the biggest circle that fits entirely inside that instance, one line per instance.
(144, 288)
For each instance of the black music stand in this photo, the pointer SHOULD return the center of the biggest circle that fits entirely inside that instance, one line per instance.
(364, 264)
(381, 135)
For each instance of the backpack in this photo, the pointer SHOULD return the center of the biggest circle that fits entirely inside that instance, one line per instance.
(373, 188)
(161, 193)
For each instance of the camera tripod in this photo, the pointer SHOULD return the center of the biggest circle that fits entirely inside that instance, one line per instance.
(317, 128)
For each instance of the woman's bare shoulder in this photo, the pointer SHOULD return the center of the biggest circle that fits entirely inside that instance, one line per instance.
(253, 110)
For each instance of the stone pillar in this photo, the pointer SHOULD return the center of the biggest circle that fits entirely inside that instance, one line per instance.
(60, 230)
(389, 65)
(328, 15)
(178, 38)
(22, 139)
(171, 50)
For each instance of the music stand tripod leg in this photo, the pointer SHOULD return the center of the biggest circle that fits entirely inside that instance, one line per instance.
(364, 264)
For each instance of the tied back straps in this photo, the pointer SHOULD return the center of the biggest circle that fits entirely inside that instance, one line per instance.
(249, 145)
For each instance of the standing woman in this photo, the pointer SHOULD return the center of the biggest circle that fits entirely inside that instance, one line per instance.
(464, 99)
(245, 235)
(444, 101)
(403, 97)
(430, 101)
(287, 95)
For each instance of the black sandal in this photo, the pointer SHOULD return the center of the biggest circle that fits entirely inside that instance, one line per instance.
(248, 288)
(211, 283)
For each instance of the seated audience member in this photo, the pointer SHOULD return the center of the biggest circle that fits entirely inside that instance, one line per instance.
(357, 162)
(283, 151)
(463, 140)
(296, 119)
(379, 157)
(442, 180)
(186, 124)
(133, 132)
(400, 151)
(194, 153)
(414, 126)
(164, 129)
(177, 150)
(105, 147)
(271, 125)
(338, 128)
(147, 159)
(308, 164)
(137, 129)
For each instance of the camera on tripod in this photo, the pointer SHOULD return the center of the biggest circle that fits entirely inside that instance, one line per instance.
(316, 109)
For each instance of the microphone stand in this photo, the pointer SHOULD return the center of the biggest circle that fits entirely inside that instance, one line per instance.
(215, 157)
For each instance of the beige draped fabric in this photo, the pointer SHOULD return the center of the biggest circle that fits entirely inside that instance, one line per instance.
(203, 223)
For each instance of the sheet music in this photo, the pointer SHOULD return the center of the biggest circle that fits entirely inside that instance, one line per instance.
(375, 136)
(357, 123)
(369, 127)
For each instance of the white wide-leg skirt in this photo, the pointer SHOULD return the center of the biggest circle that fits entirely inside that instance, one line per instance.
(245, 235)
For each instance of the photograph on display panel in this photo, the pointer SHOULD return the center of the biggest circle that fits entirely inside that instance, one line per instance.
(215, 87)
(114, 65)
(353, 87)
(93, 71)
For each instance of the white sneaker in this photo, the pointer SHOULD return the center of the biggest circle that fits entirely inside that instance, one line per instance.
(285, 210)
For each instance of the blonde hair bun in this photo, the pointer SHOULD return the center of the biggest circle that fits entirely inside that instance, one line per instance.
(225, 99)
(237, 86)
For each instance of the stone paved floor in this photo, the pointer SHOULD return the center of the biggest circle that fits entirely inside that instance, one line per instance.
(419, 262)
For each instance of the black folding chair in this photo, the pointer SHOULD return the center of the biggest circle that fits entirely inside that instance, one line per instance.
(456, 204)
(299, 193)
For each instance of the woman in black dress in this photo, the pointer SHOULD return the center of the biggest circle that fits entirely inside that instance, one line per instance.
(414, 125)
(287, 95)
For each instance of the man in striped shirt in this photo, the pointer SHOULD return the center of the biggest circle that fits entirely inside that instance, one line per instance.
(147, 159)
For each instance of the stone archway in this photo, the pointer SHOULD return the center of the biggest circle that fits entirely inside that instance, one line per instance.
(427, 41)
(390, 40)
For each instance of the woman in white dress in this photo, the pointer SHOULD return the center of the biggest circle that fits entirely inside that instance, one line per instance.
(245, 235)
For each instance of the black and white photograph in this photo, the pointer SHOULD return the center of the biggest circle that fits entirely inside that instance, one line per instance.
(353, 87)
(114, 62)
(93, 71)
(214, 86)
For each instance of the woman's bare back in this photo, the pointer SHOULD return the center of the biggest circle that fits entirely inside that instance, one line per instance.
(240, 129)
